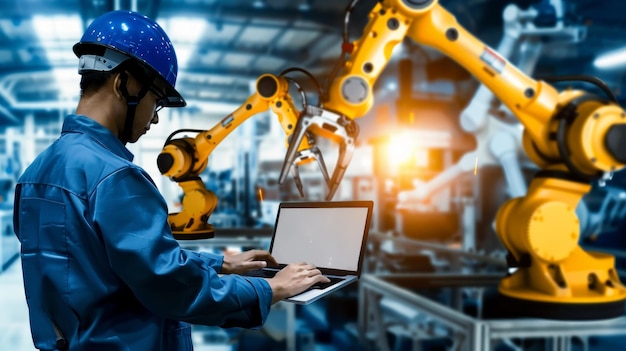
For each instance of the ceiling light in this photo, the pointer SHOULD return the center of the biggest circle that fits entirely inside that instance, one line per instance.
(612, 59)
(305, 5)
(185, 33)
(57, 28)
(391, 85)
(56, 36)
(54, 33)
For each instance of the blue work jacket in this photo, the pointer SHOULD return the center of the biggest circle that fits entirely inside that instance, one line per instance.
(99, 260)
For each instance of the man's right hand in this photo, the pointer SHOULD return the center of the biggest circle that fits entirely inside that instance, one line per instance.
(294, 279)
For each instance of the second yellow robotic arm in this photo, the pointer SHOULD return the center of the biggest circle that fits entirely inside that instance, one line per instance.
(184, 159)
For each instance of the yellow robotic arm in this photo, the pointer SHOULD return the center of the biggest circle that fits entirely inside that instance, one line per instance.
(573, 136)
(184, 159)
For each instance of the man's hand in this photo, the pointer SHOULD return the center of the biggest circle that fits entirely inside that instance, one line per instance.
(294, 279)
(247, 261)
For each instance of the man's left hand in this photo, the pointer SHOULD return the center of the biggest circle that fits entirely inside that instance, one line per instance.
(247, 261)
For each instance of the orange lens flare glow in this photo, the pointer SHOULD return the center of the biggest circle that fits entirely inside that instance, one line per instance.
(476, 166)
(400, 150)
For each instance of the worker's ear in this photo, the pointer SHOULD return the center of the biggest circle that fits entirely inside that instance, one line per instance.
(117, 85)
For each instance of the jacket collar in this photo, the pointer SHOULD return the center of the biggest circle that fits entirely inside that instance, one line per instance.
(87, 126)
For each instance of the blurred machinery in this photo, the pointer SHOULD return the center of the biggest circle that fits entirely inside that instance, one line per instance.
(10, 169)
(448, 312)
(602, 214)
(434, 312)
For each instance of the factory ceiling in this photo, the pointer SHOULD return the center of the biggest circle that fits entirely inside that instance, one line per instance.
(223, 46)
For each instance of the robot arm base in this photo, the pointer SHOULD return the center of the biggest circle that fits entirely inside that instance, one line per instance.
(522, 307)
(205, 231)
(582, 287)
(197, 206)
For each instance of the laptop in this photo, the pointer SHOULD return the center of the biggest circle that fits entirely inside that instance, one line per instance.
(330, 235)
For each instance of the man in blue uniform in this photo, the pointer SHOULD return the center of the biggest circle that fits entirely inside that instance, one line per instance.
(101, 268)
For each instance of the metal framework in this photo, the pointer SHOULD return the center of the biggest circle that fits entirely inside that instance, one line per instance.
(466, 332)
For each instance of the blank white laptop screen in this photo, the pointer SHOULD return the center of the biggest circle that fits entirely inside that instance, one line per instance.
(326, 237)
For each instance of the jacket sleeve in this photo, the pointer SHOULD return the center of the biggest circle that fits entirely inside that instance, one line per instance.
(131, 216)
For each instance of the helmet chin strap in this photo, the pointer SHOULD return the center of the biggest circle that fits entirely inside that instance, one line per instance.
(131, 107)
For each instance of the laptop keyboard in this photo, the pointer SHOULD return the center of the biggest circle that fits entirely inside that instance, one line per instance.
(270, 273)
(262, 273)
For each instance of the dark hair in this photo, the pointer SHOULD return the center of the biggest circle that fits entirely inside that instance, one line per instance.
(92, 81)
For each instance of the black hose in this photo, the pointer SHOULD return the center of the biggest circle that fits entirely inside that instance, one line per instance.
(169, 138)
(346, 42)
(583, 78)
(308, 74)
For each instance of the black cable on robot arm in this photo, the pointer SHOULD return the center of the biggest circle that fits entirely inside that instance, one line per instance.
(582, 78)
(346, 20)
(344, 44)
(169, 138)
(301, 91)
(308, 74)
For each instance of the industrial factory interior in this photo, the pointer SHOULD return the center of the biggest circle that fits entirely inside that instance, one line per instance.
(485, 134)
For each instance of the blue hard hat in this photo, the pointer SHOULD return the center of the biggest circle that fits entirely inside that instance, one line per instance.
(137, 37)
